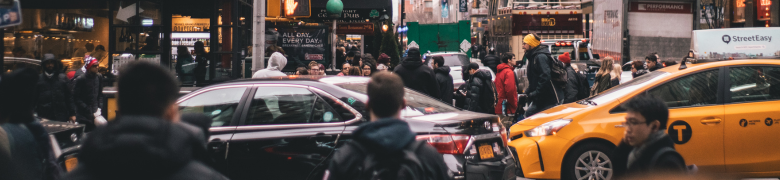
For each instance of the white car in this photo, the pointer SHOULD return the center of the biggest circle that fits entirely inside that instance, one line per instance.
(455, 60)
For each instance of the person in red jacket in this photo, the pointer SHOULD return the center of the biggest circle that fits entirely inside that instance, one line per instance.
(506, 89)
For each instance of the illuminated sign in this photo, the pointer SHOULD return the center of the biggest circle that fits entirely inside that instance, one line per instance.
(297, 8)
(740, 3)
(763, 10)
(548, 21)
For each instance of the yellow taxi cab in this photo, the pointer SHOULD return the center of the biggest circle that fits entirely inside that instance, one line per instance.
(724, 118)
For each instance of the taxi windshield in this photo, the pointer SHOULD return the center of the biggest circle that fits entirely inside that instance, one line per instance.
(417, 104)
(624, 89)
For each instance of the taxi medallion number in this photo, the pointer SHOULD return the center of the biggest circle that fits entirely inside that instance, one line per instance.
(485, 151)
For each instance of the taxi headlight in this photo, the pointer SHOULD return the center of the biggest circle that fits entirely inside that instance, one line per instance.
(548, 128)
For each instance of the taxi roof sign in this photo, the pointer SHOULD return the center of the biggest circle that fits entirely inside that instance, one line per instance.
(736, 43)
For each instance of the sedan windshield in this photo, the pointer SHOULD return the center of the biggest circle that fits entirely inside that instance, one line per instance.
(417, 103)
(625, 88)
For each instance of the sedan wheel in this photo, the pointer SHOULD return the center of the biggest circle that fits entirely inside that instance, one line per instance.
(593, 165)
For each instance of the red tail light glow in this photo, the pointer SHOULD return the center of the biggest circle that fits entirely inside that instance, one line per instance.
(557, 44)
(568, 43)
(447, 143)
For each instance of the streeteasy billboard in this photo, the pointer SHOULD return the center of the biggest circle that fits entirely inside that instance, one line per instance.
(736, 43)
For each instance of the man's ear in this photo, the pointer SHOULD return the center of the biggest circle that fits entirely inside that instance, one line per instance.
(403, 105)
(656, 125)
(172, 113)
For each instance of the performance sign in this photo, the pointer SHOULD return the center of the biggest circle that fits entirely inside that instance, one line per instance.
(654, 7)
(736, 43)
(10, 16)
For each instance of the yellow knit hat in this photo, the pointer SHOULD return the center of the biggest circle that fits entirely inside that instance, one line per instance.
(531, 40)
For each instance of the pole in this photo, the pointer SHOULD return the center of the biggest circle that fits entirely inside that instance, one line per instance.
(334, 40)
(774, 13)
(258, 32)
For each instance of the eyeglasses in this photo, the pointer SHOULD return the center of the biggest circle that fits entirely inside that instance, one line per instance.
(633, 124)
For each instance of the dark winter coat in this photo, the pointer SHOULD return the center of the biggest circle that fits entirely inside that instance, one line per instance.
(142, 147)
(384, 136)
(651, 160)
(54, 100)
(418, 77)
(639, 73)
(446, 86)
(87, 96)
(200, 69)
(540, 88)
(576, 86)
(31, 152)
(478, 89)
(602, 83)
(492, 61)
(506, 88)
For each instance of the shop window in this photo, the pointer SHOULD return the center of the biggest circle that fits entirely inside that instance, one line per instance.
(126, 39)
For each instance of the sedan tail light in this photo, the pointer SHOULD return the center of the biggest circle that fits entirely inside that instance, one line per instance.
(447, 143)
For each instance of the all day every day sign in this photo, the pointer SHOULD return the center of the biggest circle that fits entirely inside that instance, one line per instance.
(736, 43)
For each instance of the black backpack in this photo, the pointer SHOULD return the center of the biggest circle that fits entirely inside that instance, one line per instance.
(557, 72)
(584, 88)
(402, 166)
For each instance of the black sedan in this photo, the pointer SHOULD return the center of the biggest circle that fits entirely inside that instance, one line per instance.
(289, 128)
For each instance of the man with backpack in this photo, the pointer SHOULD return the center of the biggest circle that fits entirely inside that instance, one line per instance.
(546, 76)
(576, 84)
(480, 93)
(385, 148)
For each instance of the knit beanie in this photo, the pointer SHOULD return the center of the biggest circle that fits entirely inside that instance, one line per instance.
(565, 58)
(383, 58)
(531, 40)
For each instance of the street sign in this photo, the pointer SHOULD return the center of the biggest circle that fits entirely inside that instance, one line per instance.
(11, 16)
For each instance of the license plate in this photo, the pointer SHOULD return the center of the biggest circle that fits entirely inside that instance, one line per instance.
(485, 151)
(71, 163)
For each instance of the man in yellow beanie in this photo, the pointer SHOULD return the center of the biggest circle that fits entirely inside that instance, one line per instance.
(541, 93)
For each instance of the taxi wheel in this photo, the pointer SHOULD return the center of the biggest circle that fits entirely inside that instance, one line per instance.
(588, 161)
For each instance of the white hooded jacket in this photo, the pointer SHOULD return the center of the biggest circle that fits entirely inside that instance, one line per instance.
(274, 69)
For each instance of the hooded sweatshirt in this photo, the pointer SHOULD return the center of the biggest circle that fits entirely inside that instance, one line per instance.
(506, 88)
(143, 147)
(446, 86)
(276, 62)
(54, 100)
(418, 77)
(383, 137)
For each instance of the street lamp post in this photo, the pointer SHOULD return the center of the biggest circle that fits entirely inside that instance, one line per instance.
(334, 8)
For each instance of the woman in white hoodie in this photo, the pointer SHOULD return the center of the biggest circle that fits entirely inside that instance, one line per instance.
(276, 62)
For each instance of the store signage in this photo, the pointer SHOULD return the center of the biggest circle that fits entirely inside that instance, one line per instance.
(736, 43)
(739, 11)
(303, 43)
(185, 24)
(355, 28)
(347, 15)
(763, 10)
(547, 24)
(463, 6)
(297, 8)
(655, 7)
(11, 16)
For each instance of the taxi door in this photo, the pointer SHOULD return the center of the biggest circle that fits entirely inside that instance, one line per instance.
(696, 117)
(752, 119)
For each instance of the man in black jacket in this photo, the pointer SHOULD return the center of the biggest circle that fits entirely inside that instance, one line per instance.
(541, 93)
(492, 61)
(385, 139)
(146, 141)
(646, 148)
(88, 94)
(444, 79)
(480, 96)
(53, 97)
(417, 76)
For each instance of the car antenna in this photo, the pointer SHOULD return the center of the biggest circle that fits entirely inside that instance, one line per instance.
(682, 64)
